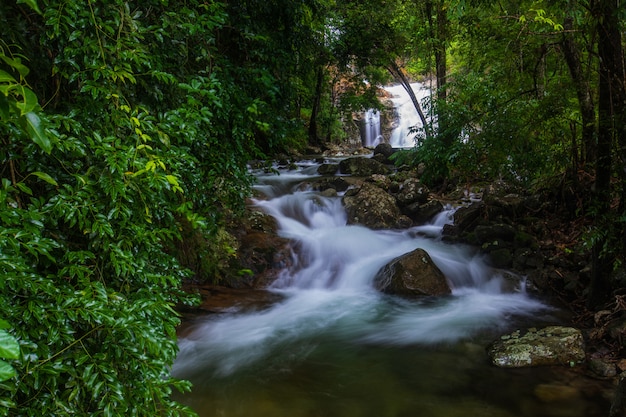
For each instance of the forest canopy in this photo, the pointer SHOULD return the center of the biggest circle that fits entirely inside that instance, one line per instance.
(126, 128)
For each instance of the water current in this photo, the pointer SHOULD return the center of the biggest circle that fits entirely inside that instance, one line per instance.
(333, 346)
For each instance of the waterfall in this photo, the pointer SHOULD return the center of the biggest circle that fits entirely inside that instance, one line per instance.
(407, 114)
(371, 135)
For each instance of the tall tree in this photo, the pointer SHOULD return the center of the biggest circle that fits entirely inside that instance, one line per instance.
(611, 133)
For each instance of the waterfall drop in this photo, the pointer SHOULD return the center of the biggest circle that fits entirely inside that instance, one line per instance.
(408, 118)
(370, 129)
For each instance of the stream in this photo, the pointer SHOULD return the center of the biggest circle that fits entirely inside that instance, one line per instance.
(330, 345)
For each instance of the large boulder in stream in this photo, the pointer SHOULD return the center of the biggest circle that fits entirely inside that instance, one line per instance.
(371, 206)
(362, 167)
(412, 274)
(552, 345)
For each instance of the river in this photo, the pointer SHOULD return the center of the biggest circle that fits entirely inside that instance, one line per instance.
(333, 346)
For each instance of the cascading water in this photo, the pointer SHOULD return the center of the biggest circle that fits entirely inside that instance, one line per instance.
(371, 133)
(407, 114)
(335, 347)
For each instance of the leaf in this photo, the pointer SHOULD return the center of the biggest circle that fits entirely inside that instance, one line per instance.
(32, 4)
(30, 102)
(6, 77)
(17, 64)
(47, 178)
(36, 132)
(6, 371)
(9, 348)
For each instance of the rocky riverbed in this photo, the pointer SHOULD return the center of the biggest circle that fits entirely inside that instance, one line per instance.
(528, 234)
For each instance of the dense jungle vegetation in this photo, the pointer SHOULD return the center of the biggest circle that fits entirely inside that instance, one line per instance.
(126, 127)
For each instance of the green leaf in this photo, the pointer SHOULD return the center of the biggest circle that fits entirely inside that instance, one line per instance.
(36, 131)
(9, 348)
(32, 4)
(17, 64)
(6, 371)
(30, 102)
(6, 77)
(47, 178)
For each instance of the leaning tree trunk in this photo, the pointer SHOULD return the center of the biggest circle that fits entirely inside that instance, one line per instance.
(396, 71)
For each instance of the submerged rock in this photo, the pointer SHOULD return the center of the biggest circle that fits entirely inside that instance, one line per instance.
(553, 345)
(412, 274)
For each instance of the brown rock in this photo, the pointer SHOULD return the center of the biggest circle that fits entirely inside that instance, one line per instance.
(373, 207)
(412, 274)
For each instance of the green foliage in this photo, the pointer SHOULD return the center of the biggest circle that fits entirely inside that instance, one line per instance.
(146, 131)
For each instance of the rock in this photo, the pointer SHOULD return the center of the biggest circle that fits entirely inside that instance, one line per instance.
(328, 169)
(384, 149)
(602, 368)
(466, 218)
(553, 345)
(336, 183)
(500, 258)
(379, 157)
(412, 191)
(421, 213)
(496, 231)
(362, 167)
(371, 206)
(412, 274)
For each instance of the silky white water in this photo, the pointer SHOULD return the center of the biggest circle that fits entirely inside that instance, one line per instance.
(334, 346)
(408, 118)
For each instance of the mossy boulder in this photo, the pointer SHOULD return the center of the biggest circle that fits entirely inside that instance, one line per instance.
(552, 345)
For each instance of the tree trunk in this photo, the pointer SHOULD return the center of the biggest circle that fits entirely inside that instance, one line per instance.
(438, 27)
(313, 134)
(611, 119)
(572, 56)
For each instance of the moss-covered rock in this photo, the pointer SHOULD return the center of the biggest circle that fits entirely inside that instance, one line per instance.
(553, 345)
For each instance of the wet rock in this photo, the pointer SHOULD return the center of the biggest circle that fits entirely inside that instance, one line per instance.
(468, 217)
(497, 231)
(421, 213)
(338, 184)
(384, 149)
(362, 167)
(553, 345)
(382, 152)
(412, 191)
(500, 258)
(412, 274)
(602, 368)
(373, 207)
(328, 169)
